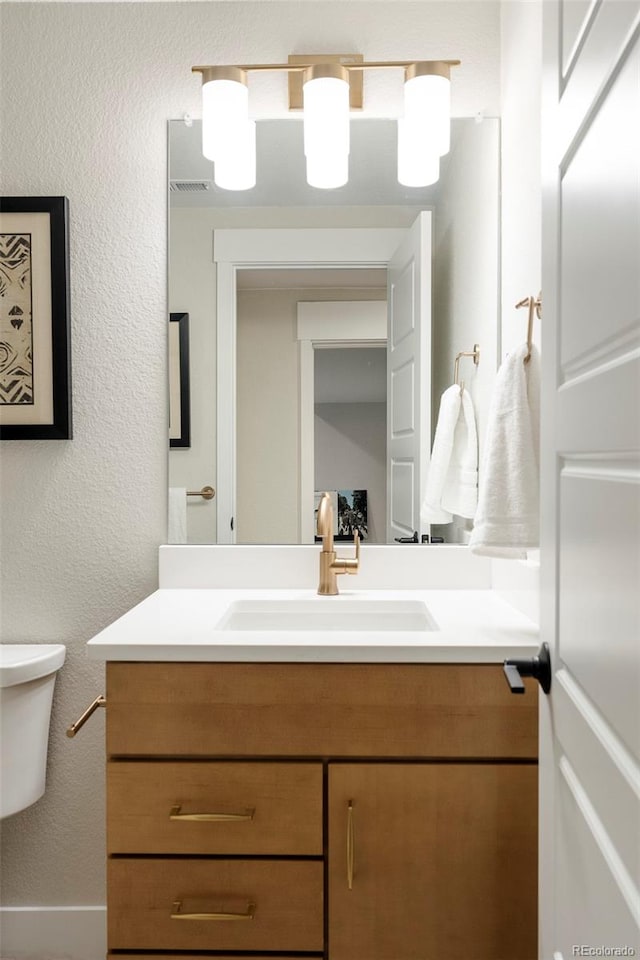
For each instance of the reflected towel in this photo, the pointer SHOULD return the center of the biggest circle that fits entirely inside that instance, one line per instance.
(508, 516)
(452, 481)
(177, 515)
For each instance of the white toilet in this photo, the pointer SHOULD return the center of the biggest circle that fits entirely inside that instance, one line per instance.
(27, 677)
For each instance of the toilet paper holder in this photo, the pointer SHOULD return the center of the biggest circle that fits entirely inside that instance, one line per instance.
(100, 701)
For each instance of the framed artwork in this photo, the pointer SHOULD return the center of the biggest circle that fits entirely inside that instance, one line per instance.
(35, 333)
(352, 514)
(179, 392)
(349, 514)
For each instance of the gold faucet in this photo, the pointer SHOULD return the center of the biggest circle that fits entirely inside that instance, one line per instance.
(330, 565)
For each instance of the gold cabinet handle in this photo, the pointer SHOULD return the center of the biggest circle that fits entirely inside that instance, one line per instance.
(179, 915)
(351, 849)
(100, 701)
(202, 817)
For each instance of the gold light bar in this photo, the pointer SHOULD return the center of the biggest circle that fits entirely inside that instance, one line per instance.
(353, 63)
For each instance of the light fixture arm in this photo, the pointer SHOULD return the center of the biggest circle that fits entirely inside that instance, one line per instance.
(444, 66)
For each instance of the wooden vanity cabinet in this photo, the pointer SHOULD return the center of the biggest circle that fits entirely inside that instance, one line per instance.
(337, 811)
(431, 861)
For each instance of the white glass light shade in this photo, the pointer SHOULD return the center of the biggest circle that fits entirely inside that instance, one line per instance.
(235, 165)
(225, 106)
(327, 171)
(326, 127)
(418, 163)
(427, 99)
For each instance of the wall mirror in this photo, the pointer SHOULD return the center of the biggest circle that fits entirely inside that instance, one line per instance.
(291, 294)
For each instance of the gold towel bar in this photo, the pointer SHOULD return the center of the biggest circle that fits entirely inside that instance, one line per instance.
(207, 493)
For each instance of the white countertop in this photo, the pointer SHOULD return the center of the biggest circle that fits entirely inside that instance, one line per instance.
(473, 626)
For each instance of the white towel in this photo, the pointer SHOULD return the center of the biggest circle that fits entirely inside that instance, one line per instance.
(452, 481)
(177, 515)
(508, 517)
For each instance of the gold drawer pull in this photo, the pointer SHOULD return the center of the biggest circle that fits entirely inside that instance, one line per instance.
(202, 817)
(178, 915)
(351, 849)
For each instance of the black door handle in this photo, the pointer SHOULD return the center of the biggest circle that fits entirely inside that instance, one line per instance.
(538, 667)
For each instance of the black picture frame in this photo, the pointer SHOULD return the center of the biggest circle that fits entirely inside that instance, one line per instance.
(50, 324)
(180, 365)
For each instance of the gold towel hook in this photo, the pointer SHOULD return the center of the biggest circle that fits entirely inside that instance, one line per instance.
(475, 353)
(535, 307)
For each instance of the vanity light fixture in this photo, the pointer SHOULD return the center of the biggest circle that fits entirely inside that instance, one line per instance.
(228, 135)
(328, 87)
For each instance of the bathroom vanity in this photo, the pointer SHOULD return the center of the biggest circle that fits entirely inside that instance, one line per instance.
(376, 811)
(320, 792)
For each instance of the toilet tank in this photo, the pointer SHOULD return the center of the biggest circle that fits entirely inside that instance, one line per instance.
(27, 678)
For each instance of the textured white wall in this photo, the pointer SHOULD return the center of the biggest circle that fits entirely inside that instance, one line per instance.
(86, 93)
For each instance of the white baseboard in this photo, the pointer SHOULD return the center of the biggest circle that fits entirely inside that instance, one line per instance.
(53, 933)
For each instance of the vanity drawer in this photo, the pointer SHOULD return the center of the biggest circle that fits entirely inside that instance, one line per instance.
(250, 808)
(318, 710)
(287, 898)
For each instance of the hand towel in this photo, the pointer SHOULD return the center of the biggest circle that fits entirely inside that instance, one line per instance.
(452, 480)
(508, 517)
(177, 515)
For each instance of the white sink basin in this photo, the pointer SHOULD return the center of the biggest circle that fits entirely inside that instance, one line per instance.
(328, 613)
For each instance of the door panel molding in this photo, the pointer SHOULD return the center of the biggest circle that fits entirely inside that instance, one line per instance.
(602, 762)
(617, 869)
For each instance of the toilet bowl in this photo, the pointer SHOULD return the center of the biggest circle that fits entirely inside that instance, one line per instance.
(27, 677)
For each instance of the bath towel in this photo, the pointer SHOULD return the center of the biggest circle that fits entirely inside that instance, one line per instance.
(508, 516)
(177, 515)
(452, 480)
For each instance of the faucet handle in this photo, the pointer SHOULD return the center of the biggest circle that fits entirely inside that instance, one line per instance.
(351, 564)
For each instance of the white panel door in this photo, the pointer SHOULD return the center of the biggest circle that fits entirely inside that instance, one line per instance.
(590, 723)
(408, 378)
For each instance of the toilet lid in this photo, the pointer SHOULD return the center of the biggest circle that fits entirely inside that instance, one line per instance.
(20, 662)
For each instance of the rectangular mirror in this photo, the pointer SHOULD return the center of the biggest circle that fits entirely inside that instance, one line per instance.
(291, 295)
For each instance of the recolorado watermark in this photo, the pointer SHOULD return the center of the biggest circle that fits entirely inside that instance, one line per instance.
(583, 950)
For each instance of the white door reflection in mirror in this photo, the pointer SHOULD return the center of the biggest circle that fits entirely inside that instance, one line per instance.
(267, 249)
(408, 379)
